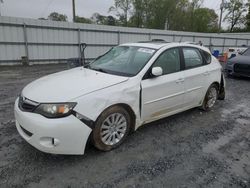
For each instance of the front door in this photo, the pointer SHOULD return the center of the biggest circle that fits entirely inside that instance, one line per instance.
(163, 95)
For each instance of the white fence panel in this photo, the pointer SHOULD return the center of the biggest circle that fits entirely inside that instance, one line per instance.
(47, 41)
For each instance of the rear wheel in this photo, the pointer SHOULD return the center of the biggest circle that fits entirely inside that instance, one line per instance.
(210, 98)
(111, 129)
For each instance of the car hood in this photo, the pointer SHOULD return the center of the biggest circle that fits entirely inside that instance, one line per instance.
(67, 85)
(240, 59)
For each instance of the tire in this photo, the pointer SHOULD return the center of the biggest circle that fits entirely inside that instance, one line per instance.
(210, 97)
(111, 128)
(227, 75)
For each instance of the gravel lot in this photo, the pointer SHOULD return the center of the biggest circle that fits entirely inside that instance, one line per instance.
(191, 149)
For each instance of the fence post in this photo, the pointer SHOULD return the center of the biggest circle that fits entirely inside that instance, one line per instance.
(118, 37)
(149, 36)
(26, 42)
(224, 42)
(236, 43)
(210, 44)
(79, 43)
(193, 38)
(173, 37)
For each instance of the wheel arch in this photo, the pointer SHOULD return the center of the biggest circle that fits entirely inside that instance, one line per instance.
(128, 108)
(215, 83)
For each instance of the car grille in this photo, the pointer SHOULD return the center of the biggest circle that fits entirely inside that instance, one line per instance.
(243, 69)
(27, 105)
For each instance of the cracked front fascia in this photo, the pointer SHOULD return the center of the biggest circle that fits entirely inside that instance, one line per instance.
(123, 93)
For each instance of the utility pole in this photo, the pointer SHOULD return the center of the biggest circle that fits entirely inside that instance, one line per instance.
(74, 10)
(1, 1)
(221, 13)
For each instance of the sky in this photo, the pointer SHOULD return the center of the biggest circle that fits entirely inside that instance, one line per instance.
(42, 8)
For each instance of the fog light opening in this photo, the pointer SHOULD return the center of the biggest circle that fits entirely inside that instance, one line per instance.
(55, 142)
(49, 142)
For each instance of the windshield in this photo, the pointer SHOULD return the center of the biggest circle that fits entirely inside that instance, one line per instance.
(247, 52)
(123, 60)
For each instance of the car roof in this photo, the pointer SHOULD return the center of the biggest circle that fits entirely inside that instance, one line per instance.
(153, 45)
(157, 45)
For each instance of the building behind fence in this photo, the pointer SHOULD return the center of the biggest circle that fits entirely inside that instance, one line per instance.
(42, 41)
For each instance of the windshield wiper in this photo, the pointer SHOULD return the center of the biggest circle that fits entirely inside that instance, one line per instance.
(99, 70)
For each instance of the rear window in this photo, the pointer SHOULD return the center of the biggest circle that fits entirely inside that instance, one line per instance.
(207, 57)
(192, 58)
(247, 52)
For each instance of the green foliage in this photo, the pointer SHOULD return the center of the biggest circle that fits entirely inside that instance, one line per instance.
(183, 15)
(205, 20)
(42, 18)
(235, 15)
(79, 19)
(103, 20)
(54, 16)
(248, 19)
(122, 9)
(179, 15)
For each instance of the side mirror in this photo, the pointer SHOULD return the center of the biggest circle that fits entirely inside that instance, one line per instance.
(157, 71)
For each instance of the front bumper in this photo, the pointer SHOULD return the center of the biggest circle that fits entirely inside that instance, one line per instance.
(66, 135)
(229, 69)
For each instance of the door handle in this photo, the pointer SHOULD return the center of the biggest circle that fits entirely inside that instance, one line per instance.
(206, 73)
(180, 80)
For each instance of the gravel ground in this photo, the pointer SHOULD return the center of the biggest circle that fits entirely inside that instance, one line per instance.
(191, 149)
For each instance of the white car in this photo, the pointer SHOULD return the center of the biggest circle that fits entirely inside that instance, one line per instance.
(130, 85)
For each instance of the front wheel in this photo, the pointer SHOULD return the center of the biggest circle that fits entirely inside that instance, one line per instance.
(111, 128)
(210, 98)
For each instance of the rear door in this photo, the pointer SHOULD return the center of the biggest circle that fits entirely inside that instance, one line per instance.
(196, 76)
(164, 94)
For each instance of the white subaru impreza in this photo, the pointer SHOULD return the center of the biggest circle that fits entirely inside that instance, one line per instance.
(130, 85)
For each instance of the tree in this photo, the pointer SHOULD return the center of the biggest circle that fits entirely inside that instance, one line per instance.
(98, 19)
(168, 14)
(205, 20)
(235, 15)
(79, 19)
(54, 16)
(181, 15)
(248, 18)
(111, 20)
(122, 9)
(180, 18)
(103, 20)
(137, 18)
(151, 13)
(42, 18)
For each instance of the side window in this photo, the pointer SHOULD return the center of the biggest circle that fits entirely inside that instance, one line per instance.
(169, 61)
(192, 58)
(207, 57)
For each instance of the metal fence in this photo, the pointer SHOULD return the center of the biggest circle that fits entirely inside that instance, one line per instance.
(51, 42)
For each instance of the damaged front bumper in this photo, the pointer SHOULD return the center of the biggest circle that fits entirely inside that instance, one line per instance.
(67, 135)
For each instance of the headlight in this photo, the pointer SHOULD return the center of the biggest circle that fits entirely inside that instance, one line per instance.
(55, 110)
